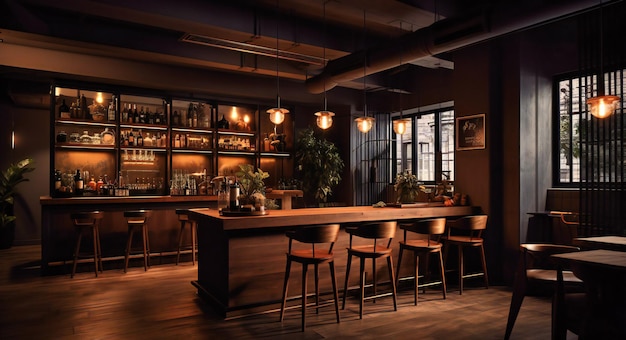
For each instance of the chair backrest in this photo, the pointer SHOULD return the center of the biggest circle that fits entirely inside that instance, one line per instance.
(375, 231)
(537, 255)
(474, 224)
(314, 235)
(430, 227)
(86, 218)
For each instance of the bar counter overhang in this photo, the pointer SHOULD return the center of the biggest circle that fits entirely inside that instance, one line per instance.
(241, 260)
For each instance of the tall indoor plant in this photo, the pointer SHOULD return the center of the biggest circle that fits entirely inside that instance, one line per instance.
(319, 165)
(9, 179)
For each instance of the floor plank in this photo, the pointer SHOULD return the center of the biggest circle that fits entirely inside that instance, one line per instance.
(162, 304)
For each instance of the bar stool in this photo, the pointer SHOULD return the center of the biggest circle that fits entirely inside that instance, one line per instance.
(430, 232)
(311, 235)
(473, 227)
(83, 222)
(183, 217)
(373, 231)
(138, 221)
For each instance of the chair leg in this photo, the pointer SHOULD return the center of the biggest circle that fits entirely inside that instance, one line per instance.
(416, 273)
(374, 292)
(76, 250)
(484, 261)
(145, 248)
(461, 269)
(180, 240)
(128, 244)
(95, 250)
(304, 297)
(362, 286)
(317, 288)
(519, 292)
(331, 264)
(147, 238)
(285, 286)
(194, 239)
(97, 231)
(443, 275)
(393, 283)
(400, 252)
(345, 286)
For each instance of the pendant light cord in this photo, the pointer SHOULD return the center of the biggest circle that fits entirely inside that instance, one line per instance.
(324, 52)
(277, 76)
(364, 66)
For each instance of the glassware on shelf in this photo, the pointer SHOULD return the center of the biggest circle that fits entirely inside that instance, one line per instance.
(107, 137)
(85, 138)
(96, 139)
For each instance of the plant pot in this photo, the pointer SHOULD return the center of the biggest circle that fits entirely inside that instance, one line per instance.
(7, 235)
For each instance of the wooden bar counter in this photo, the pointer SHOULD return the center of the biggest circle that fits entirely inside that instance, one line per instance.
(58, 233)
(241, 260)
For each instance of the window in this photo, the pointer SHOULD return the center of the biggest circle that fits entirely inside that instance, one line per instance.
(578, 131)
(432, 132)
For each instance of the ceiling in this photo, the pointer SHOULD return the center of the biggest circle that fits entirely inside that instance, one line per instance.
(241, 35)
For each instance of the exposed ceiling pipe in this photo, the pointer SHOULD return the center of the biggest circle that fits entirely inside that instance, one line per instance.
(444, 36)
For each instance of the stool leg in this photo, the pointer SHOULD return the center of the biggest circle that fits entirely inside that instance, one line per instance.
(331, 264)
(401, 251)
(145, 248)
(76, 250)
(362, 288)
(374, 280)
(180, 240)
(97, 231)
(304, 279)
(317, 288)
(95, 250)
(128, 244)
(484, 261)
(393, 283)
(285, 286)
(194, 239)
(345, 286)
(461, 269)
(147, 242)
(416, 273)
(443, 275)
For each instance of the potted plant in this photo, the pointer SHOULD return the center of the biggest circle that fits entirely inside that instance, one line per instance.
(319, 164)
(251, 185)
(408, 188)
(10, 178)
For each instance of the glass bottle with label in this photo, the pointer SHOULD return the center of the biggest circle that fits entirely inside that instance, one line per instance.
(111, 110)
(79, 183)
(64, 110)
(234, 196)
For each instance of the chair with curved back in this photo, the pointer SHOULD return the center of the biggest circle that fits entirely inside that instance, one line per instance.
(470, 229)
(84, 221)
(374, 232)
(537, 271)
(138, 221)
(313, 235)
(430, 232)
(183, 218)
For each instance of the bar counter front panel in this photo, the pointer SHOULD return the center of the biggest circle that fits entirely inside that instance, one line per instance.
(241, 260)
(59, 235)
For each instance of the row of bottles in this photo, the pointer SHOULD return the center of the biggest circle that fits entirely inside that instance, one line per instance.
(106, 137)
(130, 114)
(197, 115)
(235, 143)
(186, 184)
(80, 183)
(137, 138)
(79, 109)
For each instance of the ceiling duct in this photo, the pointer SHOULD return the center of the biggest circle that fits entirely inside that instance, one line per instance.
(444, 36)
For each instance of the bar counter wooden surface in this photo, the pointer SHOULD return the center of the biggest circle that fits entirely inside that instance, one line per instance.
(241, 260)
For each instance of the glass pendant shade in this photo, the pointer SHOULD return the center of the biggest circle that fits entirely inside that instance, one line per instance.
(277, 114)
(365, 124)
(602, 106)
(399, 126)
(324, 119)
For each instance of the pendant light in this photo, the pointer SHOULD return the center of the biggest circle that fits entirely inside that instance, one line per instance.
(602, 106)
(324, 117)
(399, 125)
(365, 123)
(277, 114)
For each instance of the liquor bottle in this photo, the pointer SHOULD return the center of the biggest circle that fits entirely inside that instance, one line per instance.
(84, 109)
(57, 180)
(157, 118)
(177, 141)
(131, 138)
(139, 139)
(234, 196)
(111, 111)
(148, 141)
(64, 110)
(125, 113)
(135, 114)
(79, 183)
(190, 112)
(149, 116)
(223, 123)
(176, 118)
(142, 116)
(92, 184)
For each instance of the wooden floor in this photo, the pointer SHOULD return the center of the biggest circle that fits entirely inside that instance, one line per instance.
(162, 304)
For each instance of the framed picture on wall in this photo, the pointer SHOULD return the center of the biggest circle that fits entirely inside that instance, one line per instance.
(470, 132)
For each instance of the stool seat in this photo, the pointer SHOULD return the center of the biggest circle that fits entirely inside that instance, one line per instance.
(183, 217)
(83, 222)
(137, 221)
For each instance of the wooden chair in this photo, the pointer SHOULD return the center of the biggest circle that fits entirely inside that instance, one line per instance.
(321, 234)
(83, 222)
(536, 270)
(471, 228)
(371, 231)
(138, 221)
(430, 232)
(183, 217)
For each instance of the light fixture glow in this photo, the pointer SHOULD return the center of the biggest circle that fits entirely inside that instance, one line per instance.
(365, 124)
(603, 106)
(277, 114)
(324, 119)
(234, 115)
(99, 98)
(399, 126)
(246, 119)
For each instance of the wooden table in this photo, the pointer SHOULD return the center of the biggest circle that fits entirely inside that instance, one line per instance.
(284, 196)
(604, 310)
(241, 260)
(602, 242)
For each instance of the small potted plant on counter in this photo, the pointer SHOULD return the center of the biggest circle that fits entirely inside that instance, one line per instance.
(251, 185)
(9, 179)
(408, 188)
